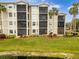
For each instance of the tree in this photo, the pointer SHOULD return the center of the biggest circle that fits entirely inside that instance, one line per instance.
(52, 12)
(74, 11)
(2, 9)
(77, 24)
(68, 25)
(76, 4)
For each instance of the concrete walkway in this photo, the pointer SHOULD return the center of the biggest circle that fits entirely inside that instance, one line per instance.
(24, 53)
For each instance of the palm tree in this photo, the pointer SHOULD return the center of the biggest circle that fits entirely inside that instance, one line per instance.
(74, 11)
(76, 4)
(2, 9)
(77, 24)
(53, 12)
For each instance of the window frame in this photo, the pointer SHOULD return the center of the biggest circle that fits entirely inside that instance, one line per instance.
(10, 14)
(11, 31)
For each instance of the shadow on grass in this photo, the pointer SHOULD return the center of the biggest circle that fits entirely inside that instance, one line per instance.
(27, 57)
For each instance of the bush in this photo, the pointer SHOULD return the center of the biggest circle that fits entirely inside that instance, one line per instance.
(68, 34)
(74, 34)
(34, 35)
(44, 35)
(54, 35)
(2, 36)
(23, 36)
(11, 36)
(50, 34)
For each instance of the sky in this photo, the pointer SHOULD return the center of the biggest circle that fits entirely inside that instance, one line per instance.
(62, 5)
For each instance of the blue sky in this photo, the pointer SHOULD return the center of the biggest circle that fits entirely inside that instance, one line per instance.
(63, 5)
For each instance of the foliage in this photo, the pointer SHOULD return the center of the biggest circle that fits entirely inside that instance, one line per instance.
(54, 35)
(11, 36)
(2, 8)
(50, 34)
(68, 34)
(2, 36)
(68, 24)
(53, 11)
(73, 11)
(33, 35)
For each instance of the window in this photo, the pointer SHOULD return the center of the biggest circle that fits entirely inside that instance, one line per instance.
(21, 24)
(11, 31)
(10, 6)
(10, 23)
(15, 31)
(10, 14)
(60, 24)
(21, 15)
(61, 18)
(43, 23)
(43, 17)
(34, 31)
(43, 10)
(33, 23)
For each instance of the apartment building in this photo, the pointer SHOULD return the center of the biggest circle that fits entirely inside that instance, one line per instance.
(21, 18)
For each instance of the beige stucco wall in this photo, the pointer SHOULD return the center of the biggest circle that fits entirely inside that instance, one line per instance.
(6, 19)
(53, 24)
(35, 18)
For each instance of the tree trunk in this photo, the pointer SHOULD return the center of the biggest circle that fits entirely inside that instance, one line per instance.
(74, 24)
(1, 24)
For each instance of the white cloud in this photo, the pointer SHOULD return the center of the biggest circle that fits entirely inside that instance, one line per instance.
(51, 4)
(69, 7)
(34, 1)
(57, 6)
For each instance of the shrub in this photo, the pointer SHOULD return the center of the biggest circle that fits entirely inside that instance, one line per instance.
(33, 35)
(50, 34)
(54, 35)
(68, 34)
(2, 36)
(44, 35)
(11, 36)
(23, 36)
(74, 34)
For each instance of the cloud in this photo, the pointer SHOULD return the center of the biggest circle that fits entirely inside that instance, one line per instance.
(69, 7)
(57, 6)
(34, 1)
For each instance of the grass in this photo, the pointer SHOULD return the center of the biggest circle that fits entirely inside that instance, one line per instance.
(42, 44)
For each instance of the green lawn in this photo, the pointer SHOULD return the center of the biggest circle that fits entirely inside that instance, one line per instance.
(42, 44)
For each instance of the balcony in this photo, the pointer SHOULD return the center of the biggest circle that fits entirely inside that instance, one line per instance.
(21, 15)
(43, 10)
(21, 24)
(21, 8)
